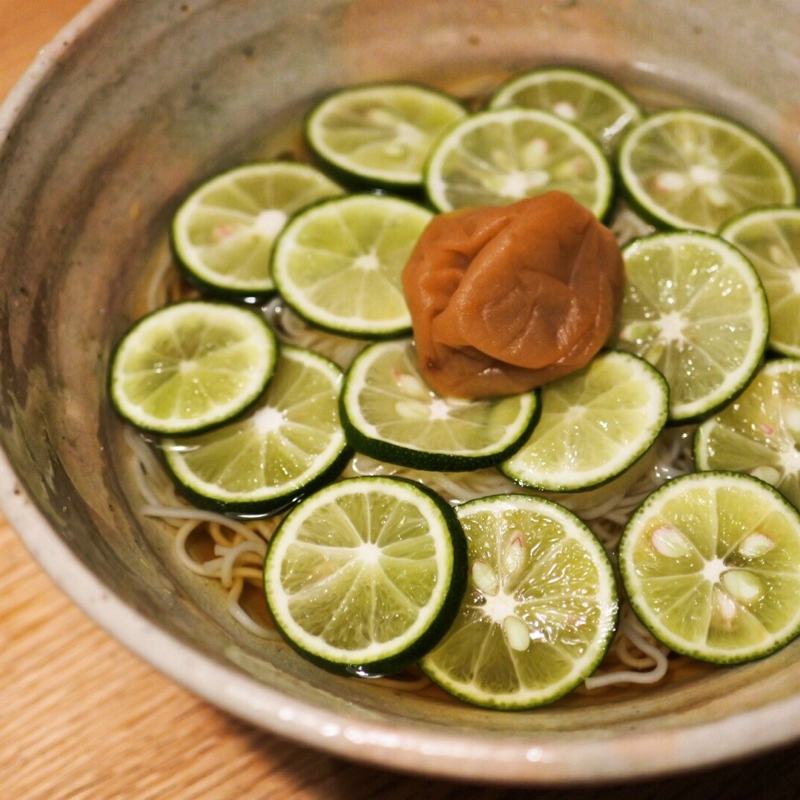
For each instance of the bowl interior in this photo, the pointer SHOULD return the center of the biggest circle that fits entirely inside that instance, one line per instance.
(133, 106)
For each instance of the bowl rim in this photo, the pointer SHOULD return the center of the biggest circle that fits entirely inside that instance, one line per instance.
(538, 761)
(46, 61)
(542, 760)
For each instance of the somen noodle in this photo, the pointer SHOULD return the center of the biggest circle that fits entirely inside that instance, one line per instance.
(232, 551)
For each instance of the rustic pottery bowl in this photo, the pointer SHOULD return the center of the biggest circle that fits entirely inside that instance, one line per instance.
(127, 109)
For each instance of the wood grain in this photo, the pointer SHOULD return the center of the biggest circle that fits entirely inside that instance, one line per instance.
(80, 717)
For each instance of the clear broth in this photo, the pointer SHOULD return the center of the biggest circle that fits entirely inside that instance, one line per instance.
(285, 141)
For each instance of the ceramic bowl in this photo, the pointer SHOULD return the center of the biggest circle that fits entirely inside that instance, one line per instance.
(133, 104)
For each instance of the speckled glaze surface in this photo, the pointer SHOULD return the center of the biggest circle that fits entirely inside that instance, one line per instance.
(133, 104)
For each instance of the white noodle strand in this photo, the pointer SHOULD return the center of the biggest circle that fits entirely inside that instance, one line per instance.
(243, 618)
(630, 659)
(231, 554)
(198, 515)
(630, 676)
(658, 662)
(147, 471)
(179, 544)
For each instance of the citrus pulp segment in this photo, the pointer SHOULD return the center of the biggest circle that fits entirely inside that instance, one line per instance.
(695, 308)
(190, 366)
(365, 575)
(690, 169)
(758, 433)
(595, 424)
(338, 263)
(223, 233)
(770, 238)
(499, 156)
(390, 413)
(380, 133)
(540, 608)
(711, 565)
(290, 443)
(594, 103)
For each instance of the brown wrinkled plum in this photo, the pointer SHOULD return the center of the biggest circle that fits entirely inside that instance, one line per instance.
(505, 299)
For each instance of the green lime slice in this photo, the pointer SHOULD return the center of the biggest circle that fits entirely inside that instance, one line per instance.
(711, 565)
(290, 443)
(366, 575)
(223, 233)
(191, 366)
(338, 264)
(500, 156)
(691, 169)
(597, 105)
(380, 134)
(695, 309)
(595, 424)
(390, 414)
(770, 238)
(759, 433)
(540, 608)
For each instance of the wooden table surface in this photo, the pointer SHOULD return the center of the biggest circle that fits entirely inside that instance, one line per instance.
(80, 717)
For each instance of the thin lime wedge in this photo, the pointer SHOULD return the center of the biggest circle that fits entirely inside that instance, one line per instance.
(595, 424)
(770, 238)
(683, 169)
(289, 444)
(759, 433)
(593, 102)
(191, 366)
(695, 308)
(338, 263)
(389, 413)
(224, 231)
(380, 134)
(499, 156)
(711, 565)
(540, 608)
(366, 575)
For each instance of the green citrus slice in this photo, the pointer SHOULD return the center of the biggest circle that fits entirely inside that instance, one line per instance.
(389, 413)
(595, 424)
(223, 233)
(759, 433)
(338, 264)
(695, 308)
(711, 565)
(500, 156)
(770, 238)
(691, 169)
(380, 133)
(540, 608)
(191, 366)
(365, 575)
(290, 443)
(597, 105)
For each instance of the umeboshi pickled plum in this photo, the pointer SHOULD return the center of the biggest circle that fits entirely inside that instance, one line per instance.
(505, 299)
